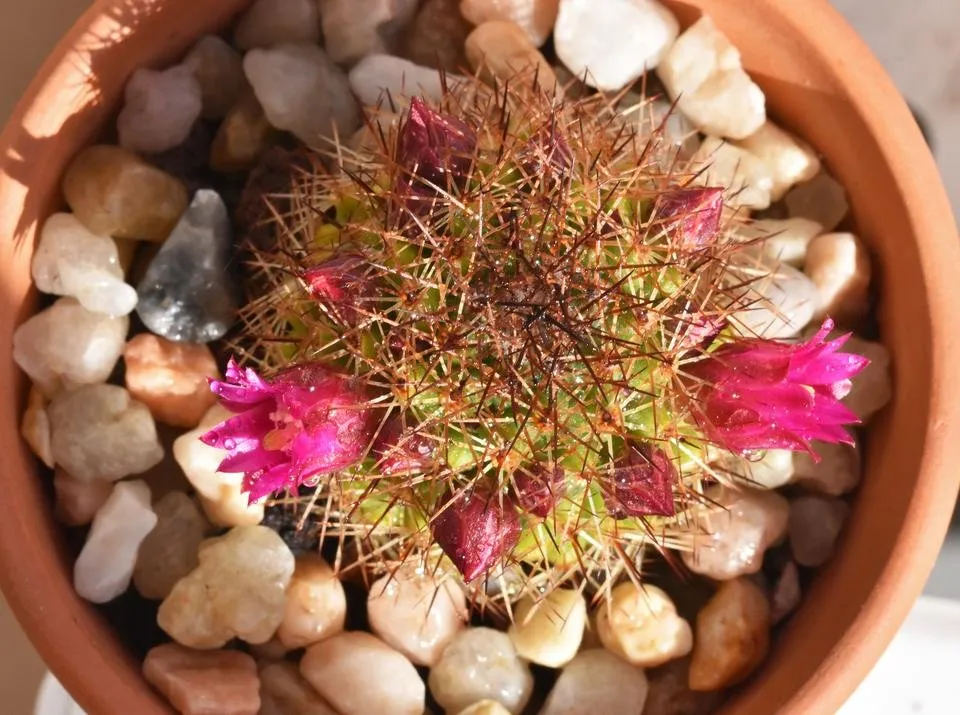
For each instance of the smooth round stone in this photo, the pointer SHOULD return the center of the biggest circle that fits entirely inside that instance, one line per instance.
(238, 590)
(790, 159)
(224, 682)
(534, 17)
(103, 569)
(359, 674)
(839, 266)
(782, 301)
(273, 22)
(218, 68)
(99, 432)
(747, 180)
(822, 199)
(779, 240)
(732, 636)
(316, 604)
(78, 501)
(113, 192)
(481, 664)
(169, 552)
(502, 50)
(71, 261)
(435, 37)
(597, 681)
(737, 532)
(242, 138)
(284, 691)
(549, 631)
(170, 378)
(35, 426)
(160, 107)
(352, 31)
(670, 692)
(837, 472)
(872, 387)
(612, 42)
(67, 346)
(641, 625)
(815, 525)
(378, 79)
(774, 468)
(485, 707)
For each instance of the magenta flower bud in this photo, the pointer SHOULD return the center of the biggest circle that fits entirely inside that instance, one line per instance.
(305, 422)
(691, 216)
(547, 150)
(763, 394)
(434, 147)
(642, 483)
(476, 531)
(539, 489)
(341, 285)
(400, 451)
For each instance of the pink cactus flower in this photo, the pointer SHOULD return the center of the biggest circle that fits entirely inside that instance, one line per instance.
(764, 394)
(432, 147)
(342, 285)
(307, 421)
(538, 489)
(475, 531)
(642, 483)
(691, 216)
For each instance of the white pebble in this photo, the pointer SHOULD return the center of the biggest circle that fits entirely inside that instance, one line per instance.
(789, 159)
(316, 604)
(779, 302)
(839, 266)
(595, 682)
(548, 631)
(771, 470)
(159, 109)
(66, 346)
(353, 30)
(779, 240)
(641, 625)
(837, 472)
(220, 493)
(746, 179)
(534, 17)
(872, 388)
(302, 91)
(378, 79)
(360, 675)
(105, 565)
(737, 532)
(822, 199)
(98, 432)
(703, 69)
(416, 613)
(218, 68)
(612, 41)
(273, 22)
(815, 525)
(71, 261)
(481, 664)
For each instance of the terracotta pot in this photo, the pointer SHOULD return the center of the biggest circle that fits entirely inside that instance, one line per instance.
(820, 81)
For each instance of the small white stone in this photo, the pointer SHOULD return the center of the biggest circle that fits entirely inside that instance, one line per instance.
(66, 346)
(535, 17)
(353, 30)
(779, 240)
(360, 675)
(416, 613)
(316, 604)
(822, 199)
(780, 301)
(597, 681)
(220, 493)
(481, 664)
(736, 532)
(548, 631)
(159, 109)
(378, 79)
(746, 179)
(872, 388)
(98, 432)
(218, 68)
(772, 470)
(104, 567)
(641, 625)
(790, 159)
(612, 41)
(815, 525)
(837, 472)
(302, 91)
(839, 266)
(274, 22)
(35, 427)
(71, 261)
(703, 69)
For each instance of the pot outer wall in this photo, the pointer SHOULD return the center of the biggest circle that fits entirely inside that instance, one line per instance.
(820, 81)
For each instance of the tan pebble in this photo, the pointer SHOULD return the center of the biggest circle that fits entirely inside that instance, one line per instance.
(641, 625)
(270, 652)
(126, 252)
(77, 501)
(242, 138)
(670, 692)
(534, 17)
(436, 36)
(113, 192)
(839, 266)
(285, 692)
(35, 426)
(170, 378)
(204, 683)
(503, 50)
(485, 707)
(316, 605)
(789, 159)
(732, 636)
(548, 631)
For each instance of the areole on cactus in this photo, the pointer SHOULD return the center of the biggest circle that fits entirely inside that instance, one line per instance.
(506, 343)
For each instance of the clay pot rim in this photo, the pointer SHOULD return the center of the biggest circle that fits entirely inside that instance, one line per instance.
(919, 537)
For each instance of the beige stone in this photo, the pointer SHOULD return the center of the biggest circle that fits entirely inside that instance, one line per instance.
(641, 625)
(839, 266)
(170, 551)
(35, 426)
(283, 691)
(77, 501)
(242, 137)
(436, 36)
(534, 17)
(548, 631)
(316, 605)
(204, 683)
(503, 50)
